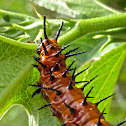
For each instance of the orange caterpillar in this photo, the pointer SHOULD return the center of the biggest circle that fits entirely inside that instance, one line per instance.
(58, 87)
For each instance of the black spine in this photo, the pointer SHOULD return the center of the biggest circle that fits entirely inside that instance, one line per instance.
(71, 51)
(38, 50)
(69, 55)
(44, 66)
(44, 27)
(34, 85)
(57, 65)
(44, 48)
(45, 106)
(80, 82)
(36, 92)
(41, 87)
(88, 82)
(58, 52)
(104, 99)
(100, 116)
(72, 110)
(64, 124)
(48, 42)
(72, 78)
(57, 91)
(121, 123)
(64, 73)
(36, 58)
(57, 35)
(84, 102)
(36, 66)
(81, 72)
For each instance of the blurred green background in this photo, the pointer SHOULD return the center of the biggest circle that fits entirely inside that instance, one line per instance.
(17, 115)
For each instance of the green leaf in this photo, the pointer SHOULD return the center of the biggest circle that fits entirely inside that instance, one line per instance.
(85, 43)
(114, 36)
(21, 6)
(79, 9)
(12, 70)
(16, 73)
(107, 68)
(16, 115)
(16, 59)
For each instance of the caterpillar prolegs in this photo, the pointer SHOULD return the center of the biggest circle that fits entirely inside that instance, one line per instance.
(57, 86)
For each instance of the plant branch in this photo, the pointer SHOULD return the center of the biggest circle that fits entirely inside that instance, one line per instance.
(19, 44)
(87, 26)
(16, 15)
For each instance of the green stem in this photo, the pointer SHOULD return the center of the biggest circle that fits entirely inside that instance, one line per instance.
(87, 26)
(19, 44)
(16, 15)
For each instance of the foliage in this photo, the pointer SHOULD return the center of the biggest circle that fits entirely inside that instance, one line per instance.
(88, 24)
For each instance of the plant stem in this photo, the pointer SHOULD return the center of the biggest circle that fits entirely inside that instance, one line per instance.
(87, 26)
(18, 44)
(16, 15)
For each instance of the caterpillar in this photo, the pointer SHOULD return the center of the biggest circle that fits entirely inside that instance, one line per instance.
(57, 86)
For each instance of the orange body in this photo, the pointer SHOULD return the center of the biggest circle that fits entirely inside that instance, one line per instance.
(84, 115)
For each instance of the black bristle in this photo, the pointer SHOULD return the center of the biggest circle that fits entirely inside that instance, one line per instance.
(88, 82)
(58, 52)
(41, 87)
(36, 92)
(84, 102)
(71, 51)
(51, 76)
(38, 84)
(36, 66)
(69, 55)
(48, 42)
(72, 78)
(36, 58)
(104, 99)
(72, 110)
(71, 69)
(57, 35)
(56, 67)
(81, 72)
(44, 66)
(33, 85)
(64, 73)
(41, 39)
(100, 116)
(45, 106)
(64, 124)
(121, 123)
(57, 91)
(80, 82)
(44, 27)
(38, 50)
(44, 48)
